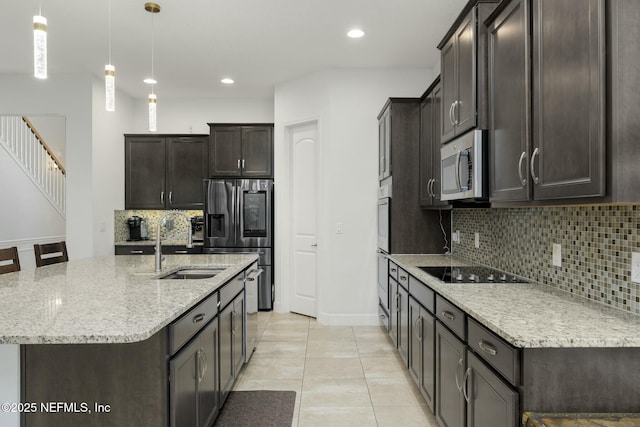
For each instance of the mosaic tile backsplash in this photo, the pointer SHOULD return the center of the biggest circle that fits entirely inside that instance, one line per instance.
(597, 242)
(179, 231)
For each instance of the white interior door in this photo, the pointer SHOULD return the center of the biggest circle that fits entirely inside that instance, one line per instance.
(304, 146)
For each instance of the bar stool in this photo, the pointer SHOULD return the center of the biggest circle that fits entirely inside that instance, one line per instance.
(9, 254)
(50, 253)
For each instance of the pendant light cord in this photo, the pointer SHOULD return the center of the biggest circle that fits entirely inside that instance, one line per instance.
(109, 32)
(152, 37)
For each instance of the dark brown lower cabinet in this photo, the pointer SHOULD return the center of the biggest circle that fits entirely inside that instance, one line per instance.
(490, 401)
(194, 378)
(393, 310)
(450, 368)
(403, 324)
(422, 360)
(231, 352)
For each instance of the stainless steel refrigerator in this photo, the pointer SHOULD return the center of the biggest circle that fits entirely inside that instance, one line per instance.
(238, 218)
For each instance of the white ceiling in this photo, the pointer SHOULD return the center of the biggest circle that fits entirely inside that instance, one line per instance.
(258, 43)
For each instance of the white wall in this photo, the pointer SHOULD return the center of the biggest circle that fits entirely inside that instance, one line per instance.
(192, 115)
(70, 96)
(346, 102)
(108, 164)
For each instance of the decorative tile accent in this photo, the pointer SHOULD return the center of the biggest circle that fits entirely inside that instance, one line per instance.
(121, 229)
(597, 242)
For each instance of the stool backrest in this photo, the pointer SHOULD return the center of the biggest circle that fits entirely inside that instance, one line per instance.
(9, 254)
(50, 253)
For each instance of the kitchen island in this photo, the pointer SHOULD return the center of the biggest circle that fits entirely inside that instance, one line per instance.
(96, 332)
(488, 352)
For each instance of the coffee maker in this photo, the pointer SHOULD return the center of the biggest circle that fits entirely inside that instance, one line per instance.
(137, 228)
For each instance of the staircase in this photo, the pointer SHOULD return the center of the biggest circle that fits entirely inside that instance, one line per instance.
(29, 150)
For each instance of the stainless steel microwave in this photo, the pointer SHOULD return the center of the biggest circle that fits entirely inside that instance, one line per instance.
(462, 172)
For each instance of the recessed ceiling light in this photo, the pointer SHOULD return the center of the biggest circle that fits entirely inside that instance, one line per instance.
(150, 81)
(227, 81)
(355, 33)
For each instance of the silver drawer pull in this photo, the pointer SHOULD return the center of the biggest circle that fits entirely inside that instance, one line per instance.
(393, 270)
(487, 348)
(448, 315)
(136, 252)
(403, 277)
(181, 252)
(198, 318)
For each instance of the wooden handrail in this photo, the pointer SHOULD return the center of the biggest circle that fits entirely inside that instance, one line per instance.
(44, 144)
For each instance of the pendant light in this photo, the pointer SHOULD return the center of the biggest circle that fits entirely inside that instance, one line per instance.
(40, 45)
(152, 8)
(110, 76)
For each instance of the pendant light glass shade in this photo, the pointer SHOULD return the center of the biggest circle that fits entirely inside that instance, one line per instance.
(110, 87)
(40, 47)
(153, 101)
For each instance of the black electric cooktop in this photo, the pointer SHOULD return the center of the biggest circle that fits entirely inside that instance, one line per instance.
(471, 274)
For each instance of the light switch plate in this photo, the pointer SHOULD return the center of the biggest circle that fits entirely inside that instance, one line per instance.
(339, 228)
(477, 240)
(635, 267)
(557, 255)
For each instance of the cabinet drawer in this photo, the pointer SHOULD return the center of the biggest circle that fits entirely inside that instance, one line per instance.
(403, 278)
(495, 351)
(191, 322)
(135, 250)
(393, 270)
(229, 291)
(181, 250)
(451, 316)
(422, 293)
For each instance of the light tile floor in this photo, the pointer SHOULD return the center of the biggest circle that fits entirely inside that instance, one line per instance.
(342, 376)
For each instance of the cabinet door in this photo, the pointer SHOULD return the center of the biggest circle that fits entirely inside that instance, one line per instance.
(436, 190)
(208, 392)
(393, 310)
(237, 331)
(384, 144)
(225, 151)
(257, 151)
(427, 384)
(448, 80)
(426, 151)
(145, 165)
(464, 111)
(403, 324)
(450, 368)
(226, 352)
(568, 99)
(183, 379)
(188, 162)
(491, 402)
(509, 104)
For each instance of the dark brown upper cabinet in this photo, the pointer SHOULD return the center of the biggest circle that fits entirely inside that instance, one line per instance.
(547, 114)
(241, 150)
(165, 171)
(568, 133)
(430, 148)
(463, 54)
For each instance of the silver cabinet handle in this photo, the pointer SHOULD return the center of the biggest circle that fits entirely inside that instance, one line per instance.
(429, 184)
(170, 197)
(458, 386)
(417, 327)
(181, 252)
(458, 155)
(467, 374)
(238, 163)
(456, 112)
(242, 163)
(233, 323)
(162, 197)
(382, 316)
(523, 180)
(448, 315)
(487, 347)
(204, 364)
(136, 252)
(453, 123)
(393, 270)
(403, 278)
(398, 302)
(533, 159)
(198, 318)
(199, 364)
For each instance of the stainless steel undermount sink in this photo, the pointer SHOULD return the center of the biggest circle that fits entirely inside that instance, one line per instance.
(193, 273)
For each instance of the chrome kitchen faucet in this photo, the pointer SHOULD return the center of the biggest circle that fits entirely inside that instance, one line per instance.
(161, 221)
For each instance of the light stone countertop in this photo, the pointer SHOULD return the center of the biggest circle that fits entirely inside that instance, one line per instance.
(152, 242)
(111, 299)
(531, 315)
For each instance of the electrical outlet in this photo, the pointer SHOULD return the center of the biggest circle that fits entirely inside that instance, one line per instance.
(477, 240)
(557, 255)
(456, 236)
(635, 267)
(339, 228)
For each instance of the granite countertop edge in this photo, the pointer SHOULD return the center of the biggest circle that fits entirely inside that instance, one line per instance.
(531, 315)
